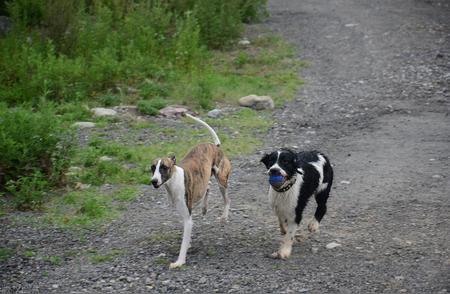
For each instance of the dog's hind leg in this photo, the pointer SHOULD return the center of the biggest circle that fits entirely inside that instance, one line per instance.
(227, 201)
(205, 200)
(222, 172)
(321, 199)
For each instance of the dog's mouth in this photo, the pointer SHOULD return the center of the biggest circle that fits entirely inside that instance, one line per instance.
(156, 185)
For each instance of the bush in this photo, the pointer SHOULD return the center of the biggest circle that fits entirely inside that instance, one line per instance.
(67, 50)
(35, 152)
(151, 107)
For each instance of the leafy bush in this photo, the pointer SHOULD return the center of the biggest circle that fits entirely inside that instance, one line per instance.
(151, 107)
(152, 89)
(67, 50)
(35, 153)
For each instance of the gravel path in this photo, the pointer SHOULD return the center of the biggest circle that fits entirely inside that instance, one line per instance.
(376, 100)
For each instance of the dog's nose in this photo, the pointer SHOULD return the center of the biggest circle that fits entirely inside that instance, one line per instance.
(155, 183)
(275, 172)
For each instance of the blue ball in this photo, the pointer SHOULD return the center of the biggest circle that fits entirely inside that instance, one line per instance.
(275, 180)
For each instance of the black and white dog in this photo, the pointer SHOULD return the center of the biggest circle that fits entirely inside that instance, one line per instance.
(294, 178)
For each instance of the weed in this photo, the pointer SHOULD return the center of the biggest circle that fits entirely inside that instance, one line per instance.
(29, 253)
(54, 260)
(101, 258)
(5, 253)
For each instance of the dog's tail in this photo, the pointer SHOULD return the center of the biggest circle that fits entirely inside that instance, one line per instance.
(213, 133)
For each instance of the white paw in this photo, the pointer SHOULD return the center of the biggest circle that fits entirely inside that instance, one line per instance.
(284, 252)
(313, 225)
(223, 219)
(176, 264)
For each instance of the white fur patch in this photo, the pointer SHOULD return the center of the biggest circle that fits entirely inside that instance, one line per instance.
(284, 203)
(157, 174)
(313, 225)
(277, 167)
(318, 165)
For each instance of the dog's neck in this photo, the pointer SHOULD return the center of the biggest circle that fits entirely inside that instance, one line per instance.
(175, 184)
(286, 186)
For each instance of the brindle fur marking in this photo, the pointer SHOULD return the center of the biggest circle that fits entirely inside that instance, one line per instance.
(198, 167)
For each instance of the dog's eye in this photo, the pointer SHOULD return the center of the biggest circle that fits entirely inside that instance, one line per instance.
(163, 167)
(152, 168)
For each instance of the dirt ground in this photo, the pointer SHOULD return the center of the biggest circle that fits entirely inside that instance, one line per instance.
(376, 101)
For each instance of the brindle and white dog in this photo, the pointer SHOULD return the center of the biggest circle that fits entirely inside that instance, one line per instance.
(187, 183)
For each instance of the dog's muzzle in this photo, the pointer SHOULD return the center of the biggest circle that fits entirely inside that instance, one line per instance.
(155, 183)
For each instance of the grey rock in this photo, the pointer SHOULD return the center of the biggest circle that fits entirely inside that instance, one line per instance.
(84, 125)
(257, 102)
(214, 113)
(100, 111)
(332, 245)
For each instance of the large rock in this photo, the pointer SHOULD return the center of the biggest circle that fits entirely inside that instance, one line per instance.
(173, 111)
(84, 124)
(257, 102)
(99, 111)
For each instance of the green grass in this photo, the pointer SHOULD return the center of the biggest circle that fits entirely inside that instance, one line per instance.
(87, 208)
(54, 260)
(97, 258)
(6, 253)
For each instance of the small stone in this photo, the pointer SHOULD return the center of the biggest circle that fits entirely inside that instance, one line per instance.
(345, 182)
(398, 278)
(215, 113)
(437, 176)
(105, 158)
(165, 282)
(84, 125)
(81, 186)
(349, 25)
(244, 42)
(302, 290)
(55, 286)
(403, 290)
(99, 111)
(257, 102)
(148, 281)
(332, 245)
(202, 280)
(314, 250)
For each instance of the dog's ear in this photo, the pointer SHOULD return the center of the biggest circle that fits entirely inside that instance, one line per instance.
(265, 160)
(173, 158)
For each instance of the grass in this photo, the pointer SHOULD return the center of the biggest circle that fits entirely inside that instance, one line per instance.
(6, 253)
(97, 258)
(87, 208)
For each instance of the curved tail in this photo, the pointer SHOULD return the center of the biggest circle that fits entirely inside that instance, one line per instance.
(213, 133)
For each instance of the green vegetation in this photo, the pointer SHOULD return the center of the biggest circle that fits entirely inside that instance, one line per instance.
(35, 152)
(65, 57)
(71, 50)
(5, 253)
(109, 256)
(87, 208)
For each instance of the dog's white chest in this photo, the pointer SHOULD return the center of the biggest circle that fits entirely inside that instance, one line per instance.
(284, 203)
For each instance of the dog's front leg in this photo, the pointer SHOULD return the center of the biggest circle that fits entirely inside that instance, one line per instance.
(187, 231)
(286, 244)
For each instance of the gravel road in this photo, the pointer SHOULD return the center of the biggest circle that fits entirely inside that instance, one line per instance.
(376, 100)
